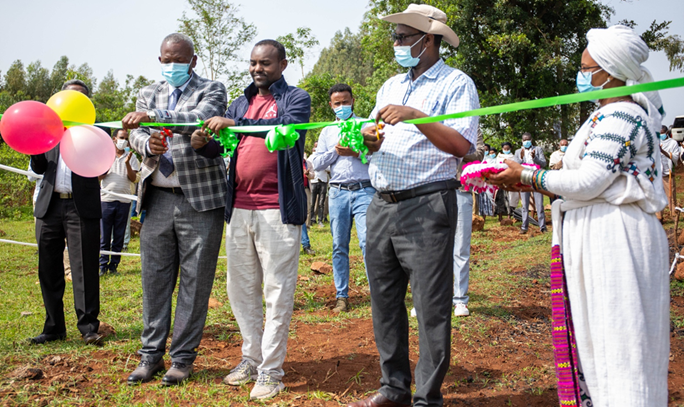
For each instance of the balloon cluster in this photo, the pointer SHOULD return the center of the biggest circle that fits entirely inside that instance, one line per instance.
(31, 127)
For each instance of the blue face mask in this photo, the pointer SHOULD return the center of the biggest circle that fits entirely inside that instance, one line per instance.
(527, 143)
(584, 82)
(403, 55)
(492, 155)
(343, 112)
(506, 151)
(563, 148)
(663, 136)
(175, 74)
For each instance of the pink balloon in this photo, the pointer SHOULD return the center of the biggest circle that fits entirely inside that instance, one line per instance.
(87, 150)
(31, 127)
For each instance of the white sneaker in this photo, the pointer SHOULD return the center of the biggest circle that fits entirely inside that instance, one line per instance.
(243, 373)
(266, 387)
(413, 312)
(461, 310)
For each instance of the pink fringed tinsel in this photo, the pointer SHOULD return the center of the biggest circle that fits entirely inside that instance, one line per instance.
(474, 174)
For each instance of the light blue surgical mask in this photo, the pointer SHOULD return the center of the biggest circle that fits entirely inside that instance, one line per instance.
(527, 143)
(492, 156)
(663, 136)
(563, 148)
(584, 82)
(403, 55)
(506, 151)
(175, 74)
(127, 149)
(343, 112)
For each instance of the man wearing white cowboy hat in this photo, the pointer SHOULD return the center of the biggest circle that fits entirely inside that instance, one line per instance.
(411, 221)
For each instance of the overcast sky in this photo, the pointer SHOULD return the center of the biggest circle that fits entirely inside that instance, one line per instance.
(124, 36)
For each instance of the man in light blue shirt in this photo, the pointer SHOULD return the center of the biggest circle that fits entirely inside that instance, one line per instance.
(411, 221)
(350, 191)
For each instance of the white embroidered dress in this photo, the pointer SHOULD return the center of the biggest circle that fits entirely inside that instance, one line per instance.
(616, 255)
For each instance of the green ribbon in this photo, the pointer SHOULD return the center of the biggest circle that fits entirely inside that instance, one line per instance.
(281, 137)
(350, 136)
(285, 135)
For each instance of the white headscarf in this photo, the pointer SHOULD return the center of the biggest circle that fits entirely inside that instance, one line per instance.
(620, 52)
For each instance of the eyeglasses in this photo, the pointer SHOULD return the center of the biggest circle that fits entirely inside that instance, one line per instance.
(401, 38)
(584, 68)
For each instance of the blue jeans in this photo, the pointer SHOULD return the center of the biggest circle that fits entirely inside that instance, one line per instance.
(305, 237)
(346, 206)
(464, 230)
(113, 221)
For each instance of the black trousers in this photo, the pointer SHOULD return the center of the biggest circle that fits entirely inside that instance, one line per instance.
(412, 240)
(83, 236)
(318, 192)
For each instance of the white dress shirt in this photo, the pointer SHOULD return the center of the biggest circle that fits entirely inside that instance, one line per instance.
(63, 178)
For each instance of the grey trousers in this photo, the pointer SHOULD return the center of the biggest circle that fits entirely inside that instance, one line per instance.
(538, 203)
(175, 236)
(412, 240)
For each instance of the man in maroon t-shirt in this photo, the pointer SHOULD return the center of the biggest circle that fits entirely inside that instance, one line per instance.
(265, 208)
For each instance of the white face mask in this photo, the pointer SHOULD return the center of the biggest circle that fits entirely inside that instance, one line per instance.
(121, 144)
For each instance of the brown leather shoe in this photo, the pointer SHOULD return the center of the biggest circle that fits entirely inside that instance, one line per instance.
(376, 400)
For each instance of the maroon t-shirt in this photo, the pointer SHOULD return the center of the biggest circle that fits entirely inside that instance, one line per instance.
(256, 170)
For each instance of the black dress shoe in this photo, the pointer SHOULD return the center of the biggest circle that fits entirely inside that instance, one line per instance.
(43, 338)
(93, 338)
(377, 400)
(178, 373)
(145, 372)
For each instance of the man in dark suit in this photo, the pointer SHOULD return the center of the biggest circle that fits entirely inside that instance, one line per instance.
(184, 196)
(68, 206)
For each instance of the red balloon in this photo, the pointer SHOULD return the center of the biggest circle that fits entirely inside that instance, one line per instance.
(31, 127)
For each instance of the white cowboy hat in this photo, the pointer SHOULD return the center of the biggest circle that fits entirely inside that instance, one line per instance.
(427, 19)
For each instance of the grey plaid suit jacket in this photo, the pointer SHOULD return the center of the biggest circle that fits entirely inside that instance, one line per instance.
(203, 180)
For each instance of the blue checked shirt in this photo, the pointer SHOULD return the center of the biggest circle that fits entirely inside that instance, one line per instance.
(407, 159)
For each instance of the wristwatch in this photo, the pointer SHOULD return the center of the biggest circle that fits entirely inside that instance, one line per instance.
(151, 115)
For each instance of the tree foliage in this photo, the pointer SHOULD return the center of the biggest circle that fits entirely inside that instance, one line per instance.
(297, 45)
(658, 38)
(345, 56)
(219, 33)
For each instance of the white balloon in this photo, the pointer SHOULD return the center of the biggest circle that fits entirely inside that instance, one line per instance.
(87, 150)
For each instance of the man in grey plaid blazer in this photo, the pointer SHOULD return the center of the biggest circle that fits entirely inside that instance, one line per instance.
(184, 196)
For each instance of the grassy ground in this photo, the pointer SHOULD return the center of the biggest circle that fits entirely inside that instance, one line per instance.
(501, 354)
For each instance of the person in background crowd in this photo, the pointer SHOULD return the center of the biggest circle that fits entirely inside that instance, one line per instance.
(530, 154)
(319, 190)
(183, 195)
(68, 206)
(556, 160)
(411, 221)
(308, 174)
(350, 190)
(116, 211)
(670, 151)
(512, 198)
(265, 208)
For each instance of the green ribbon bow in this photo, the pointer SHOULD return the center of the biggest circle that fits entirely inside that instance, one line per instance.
(226, 138)
(281, 138)
(350, 136)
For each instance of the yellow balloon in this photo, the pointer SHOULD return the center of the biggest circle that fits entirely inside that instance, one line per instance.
(73, 106)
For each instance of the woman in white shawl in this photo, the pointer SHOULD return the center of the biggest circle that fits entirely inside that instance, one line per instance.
(614, 250)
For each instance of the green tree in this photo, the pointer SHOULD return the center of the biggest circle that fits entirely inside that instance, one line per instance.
(219, 34)
(297, 44)
(59, 74)
(658, 38)
(113, 102)
(15, 78)
(38, 85)
(345, 56)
